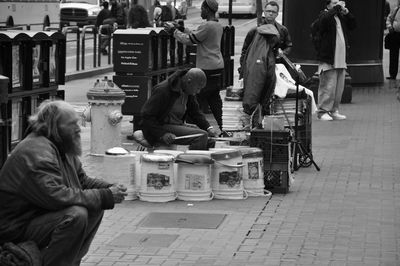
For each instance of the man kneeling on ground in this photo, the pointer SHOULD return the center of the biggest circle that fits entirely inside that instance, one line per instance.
(45, 195)
(172, 101)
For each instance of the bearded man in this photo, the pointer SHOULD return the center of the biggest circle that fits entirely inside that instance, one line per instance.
(45, 195)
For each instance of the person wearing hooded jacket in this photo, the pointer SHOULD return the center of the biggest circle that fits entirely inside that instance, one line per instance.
(173, 101)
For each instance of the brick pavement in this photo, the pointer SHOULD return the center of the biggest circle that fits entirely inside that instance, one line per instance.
(346, 214)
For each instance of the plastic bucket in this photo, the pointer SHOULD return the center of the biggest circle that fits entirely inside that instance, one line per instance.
(126, 164)
(138, 155)
(194, 177)
(174, 153)
(253, 170)
(226, 180)
(157, 178)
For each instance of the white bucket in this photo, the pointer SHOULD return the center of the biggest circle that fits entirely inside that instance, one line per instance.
(194, 177)
(173, 153)
(126, 166)
(157, 178)
(138, 155)
(253, 170)
(226, 180)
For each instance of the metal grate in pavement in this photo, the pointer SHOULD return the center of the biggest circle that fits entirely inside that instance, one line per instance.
(143, 240)
(182, 220)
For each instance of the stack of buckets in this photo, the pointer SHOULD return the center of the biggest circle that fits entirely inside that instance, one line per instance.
(194, 175)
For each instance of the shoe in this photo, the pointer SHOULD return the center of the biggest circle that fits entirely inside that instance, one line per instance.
(337, 116)
(325, 117)
(390, 77)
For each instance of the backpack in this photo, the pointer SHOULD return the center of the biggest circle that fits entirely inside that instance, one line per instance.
(316, 33)
(166, 14)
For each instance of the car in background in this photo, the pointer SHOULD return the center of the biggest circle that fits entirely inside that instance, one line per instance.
(177, 4)
(239, 7)
(79, 12)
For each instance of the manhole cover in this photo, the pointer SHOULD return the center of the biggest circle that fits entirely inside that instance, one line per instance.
(144, 240)
(183, 220)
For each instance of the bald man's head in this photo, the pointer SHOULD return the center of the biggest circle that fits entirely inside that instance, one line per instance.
(193, 81)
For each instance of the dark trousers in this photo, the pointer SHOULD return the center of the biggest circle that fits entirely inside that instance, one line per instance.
(64, 237)
(209, 95)
(393, 62)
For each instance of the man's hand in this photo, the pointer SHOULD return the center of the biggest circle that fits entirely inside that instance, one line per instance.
(212, 132)
(168, 138)
(119, 192)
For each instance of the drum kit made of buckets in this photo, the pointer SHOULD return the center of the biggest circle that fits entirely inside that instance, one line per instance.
(165, 175)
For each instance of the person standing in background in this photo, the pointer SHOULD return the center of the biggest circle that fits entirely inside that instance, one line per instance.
(183, 9)
(137, 17)
(271, 11)
(335, 21)
(118, 13)
(393, 26)
(104, 14)
(207, 37)
(386, 13)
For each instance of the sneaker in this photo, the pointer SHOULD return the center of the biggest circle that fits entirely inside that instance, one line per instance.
(337, 116)
(325, 117)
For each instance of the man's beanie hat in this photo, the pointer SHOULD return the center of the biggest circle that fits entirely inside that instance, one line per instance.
(212, 4)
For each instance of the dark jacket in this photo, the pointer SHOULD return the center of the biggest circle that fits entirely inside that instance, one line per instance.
(103, 14)
(158, 106)
(285, 42)
(118, 12)
(37, 179)
(326, 52)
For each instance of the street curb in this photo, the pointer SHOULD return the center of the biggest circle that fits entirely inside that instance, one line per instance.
(88, 73)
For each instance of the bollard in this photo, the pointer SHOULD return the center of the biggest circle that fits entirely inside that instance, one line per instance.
(105, 101)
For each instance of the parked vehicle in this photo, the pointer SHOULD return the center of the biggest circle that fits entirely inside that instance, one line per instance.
(79, 12)
(239, 7)
(29, 13)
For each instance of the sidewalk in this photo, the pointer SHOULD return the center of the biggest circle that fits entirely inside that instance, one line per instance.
(346, 214)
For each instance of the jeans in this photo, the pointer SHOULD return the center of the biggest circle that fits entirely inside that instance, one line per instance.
(64, 237)
(330, 90)
(195, 143)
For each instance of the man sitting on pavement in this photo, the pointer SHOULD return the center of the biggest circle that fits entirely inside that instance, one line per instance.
(46, 196)
(164, 113)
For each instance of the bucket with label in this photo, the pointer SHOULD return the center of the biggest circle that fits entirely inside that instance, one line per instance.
(157, 178)
(174, 153)
(253, 170)
(124, 174)
(194, 177)
(226, 178)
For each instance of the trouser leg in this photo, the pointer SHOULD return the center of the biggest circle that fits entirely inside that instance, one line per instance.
(64, 236)
(196, 143)
(393, 61)
(210, 94)
(326, 91)
(341, 73)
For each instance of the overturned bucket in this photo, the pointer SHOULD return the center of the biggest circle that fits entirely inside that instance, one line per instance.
(226, 180)
(194, 177)
(253, 170)
(126, 163)
(157, 178)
